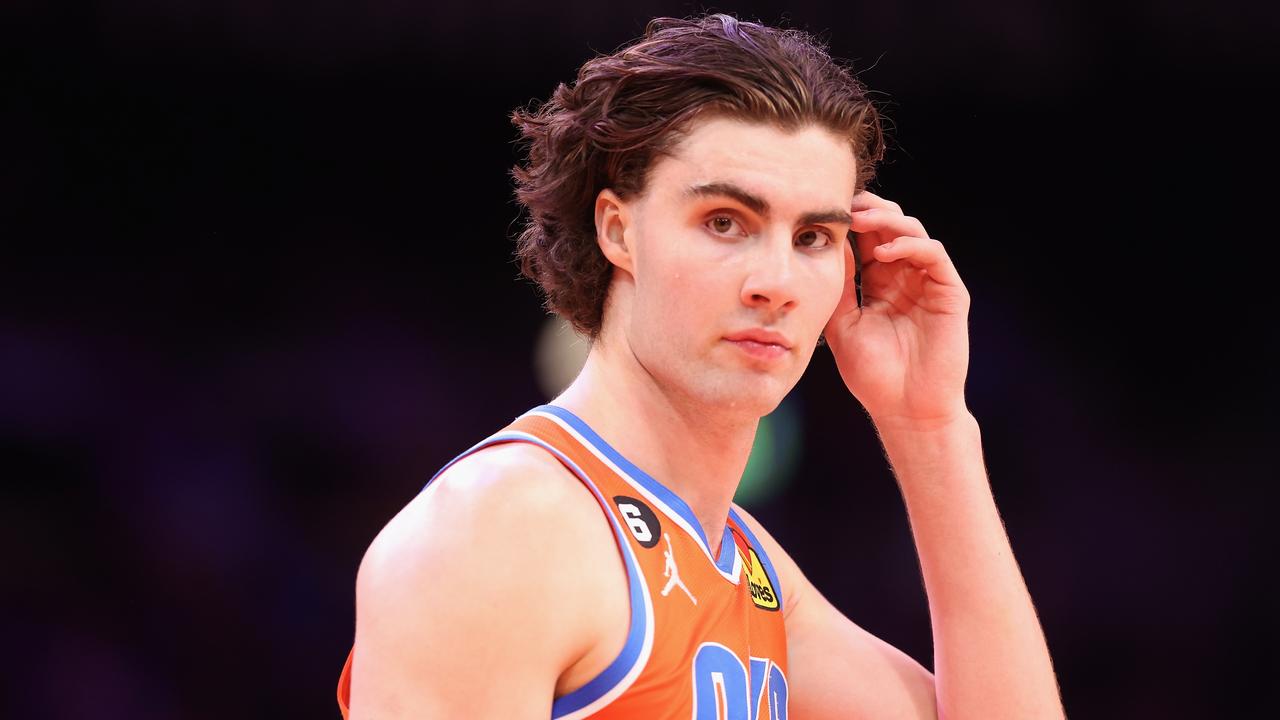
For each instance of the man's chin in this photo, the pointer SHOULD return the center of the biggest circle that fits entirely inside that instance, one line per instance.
(751, 394)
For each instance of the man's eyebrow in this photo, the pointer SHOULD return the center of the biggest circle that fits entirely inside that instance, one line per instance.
(757, 204)
(760, 206)
(823, 217)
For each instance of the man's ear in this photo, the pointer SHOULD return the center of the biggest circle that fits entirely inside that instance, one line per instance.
(613, 218)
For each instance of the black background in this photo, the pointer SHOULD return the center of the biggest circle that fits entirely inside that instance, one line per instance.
(257, 287)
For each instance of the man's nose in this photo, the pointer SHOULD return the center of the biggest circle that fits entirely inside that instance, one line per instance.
(770, 282)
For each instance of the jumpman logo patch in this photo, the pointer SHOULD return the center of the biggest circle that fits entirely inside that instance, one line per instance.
(673, 572)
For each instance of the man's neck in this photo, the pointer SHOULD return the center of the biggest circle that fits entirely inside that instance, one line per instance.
(698, 452)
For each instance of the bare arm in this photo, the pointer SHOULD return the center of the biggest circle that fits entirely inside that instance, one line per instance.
(904, 354)
(990, 656)
(449, 618)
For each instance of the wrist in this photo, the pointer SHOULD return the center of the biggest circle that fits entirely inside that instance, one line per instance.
(940, 454)
(959, 418)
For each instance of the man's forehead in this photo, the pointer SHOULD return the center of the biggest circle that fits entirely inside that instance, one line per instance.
(760, 160)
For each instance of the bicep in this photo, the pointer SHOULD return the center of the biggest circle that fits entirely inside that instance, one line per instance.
(836, 669)
(839, 670)
(446, 622)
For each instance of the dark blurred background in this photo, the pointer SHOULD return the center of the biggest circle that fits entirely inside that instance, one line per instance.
(256, 287)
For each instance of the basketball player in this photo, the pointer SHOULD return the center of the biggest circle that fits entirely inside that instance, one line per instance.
(690, 201)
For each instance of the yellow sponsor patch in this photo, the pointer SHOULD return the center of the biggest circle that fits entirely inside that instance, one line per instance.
(763, 593)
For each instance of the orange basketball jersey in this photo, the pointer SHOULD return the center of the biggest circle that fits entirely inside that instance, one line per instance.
(706, 638)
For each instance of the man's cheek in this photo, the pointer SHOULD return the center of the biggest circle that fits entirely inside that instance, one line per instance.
(831, 299)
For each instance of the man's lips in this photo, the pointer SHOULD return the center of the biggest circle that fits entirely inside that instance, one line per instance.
(761, 344)
(760, 336)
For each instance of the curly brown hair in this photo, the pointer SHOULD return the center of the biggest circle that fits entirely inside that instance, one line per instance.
(628, 108)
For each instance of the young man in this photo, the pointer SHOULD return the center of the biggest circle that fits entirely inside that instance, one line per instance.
(689, 199)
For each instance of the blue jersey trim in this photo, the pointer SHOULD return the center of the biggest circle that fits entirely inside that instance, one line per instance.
(724, 560)
(764, 556)
(631, 650)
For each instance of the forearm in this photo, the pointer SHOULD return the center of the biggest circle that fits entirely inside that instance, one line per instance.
(990, 656)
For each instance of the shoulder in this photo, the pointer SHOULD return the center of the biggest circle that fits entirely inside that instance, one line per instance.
(500, 483)
(513, 495)
(470, 563)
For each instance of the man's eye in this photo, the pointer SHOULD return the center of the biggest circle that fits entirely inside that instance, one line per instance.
(721, 223)
(816, 239)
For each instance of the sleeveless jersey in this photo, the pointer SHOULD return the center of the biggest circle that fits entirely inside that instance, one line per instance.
(706, 638)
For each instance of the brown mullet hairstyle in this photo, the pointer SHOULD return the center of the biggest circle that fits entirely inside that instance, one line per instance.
(627, 109)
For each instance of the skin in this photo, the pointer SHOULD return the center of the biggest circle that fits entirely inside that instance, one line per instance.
(689, 270)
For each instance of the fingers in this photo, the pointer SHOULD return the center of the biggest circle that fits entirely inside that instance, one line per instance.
(920, 252)
(884, 235)
(877, 221)
(883, 219)
(865, 200)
